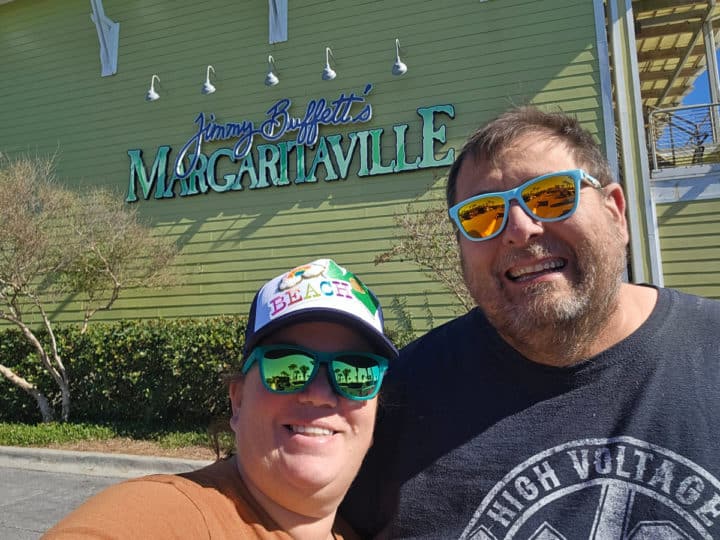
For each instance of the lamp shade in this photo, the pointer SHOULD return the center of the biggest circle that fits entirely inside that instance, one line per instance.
(208, 87)
(271, 79)
(328, 73)
(152, 94)
(399, 67)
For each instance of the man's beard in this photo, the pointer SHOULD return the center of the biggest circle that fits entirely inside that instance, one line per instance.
(545, 321)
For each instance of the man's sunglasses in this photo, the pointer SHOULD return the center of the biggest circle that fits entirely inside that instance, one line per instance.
(550, 197)
(288, 369)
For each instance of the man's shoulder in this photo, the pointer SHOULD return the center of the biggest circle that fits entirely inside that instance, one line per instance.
(449, 343)
(698, 308)
(683, 322)
(453, 331)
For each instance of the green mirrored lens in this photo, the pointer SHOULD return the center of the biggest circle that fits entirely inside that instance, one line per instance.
(286, 370)
(356, 375)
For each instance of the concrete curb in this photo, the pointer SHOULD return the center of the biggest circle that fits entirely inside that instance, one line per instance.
(93, 463)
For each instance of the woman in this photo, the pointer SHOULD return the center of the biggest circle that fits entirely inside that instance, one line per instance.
(303, 411)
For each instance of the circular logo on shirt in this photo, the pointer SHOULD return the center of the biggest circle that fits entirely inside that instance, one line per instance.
(618, 488)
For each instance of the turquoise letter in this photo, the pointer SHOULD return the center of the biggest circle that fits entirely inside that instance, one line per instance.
(300, 162)
(429, 136)
(377, 166)
(322, 156)
(343, 161)
(267, 166)
(138, 173)
(197, 175)
(284, 148)
(229, 178)
(189, 183)
(247, 166)
(362, 136)
(402, 165)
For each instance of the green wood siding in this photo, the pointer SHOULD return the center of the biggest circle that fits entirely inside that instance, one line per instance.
(481, 57)
(690, 246)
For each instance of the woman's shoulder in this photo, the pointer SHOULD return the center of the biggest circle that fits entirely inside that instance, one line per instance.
(148, 507)
(209, 502)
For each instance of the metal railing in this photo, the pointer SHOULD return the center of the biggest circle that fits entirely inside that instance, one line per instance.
(684, 136)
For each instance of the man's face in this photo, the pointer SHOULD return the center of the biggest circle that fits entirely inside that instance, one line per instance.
(544, 284)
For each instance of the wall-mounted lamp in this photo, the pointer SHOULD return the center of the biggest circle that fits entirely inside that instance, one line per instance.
(399, 66)
(271, 79)
(207, 87)
(328, 73)
(152, 95)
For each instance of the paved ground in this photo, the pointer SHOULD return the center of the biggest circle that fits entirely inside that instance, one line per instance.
(38, 487)
(32, 501)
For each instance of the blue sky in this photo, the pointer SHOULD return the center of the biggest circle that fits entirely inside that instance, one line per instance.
(701, 92)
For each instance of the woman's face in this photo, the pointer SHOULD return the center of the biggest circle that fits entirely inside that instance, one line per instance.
(294, 446)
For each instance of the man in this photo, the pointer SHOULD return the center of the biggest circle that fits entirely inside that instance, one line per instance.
(568, 404)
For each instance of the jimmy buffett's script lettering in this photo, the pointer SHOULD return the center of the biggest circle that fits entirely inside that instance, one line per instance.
(278, 122)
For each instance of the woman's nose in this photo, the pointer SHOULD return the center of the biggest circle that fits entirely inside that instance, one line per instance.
(319, 392)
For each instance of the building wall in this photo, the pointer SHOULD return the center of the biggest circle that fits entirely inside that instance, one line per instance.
(690, 245)
(479, 57)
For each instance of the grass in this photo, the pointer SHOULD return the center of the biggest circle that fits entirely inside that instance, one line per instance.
(178, 439)
(170, 441)
(54, 433)
(14, 434)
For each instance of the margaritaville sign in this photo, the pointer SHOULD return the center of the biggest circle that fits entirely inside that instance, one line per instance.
(265, 165)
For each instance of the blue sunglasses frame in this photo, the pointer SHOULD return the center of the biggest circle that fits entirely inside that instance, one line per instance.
(515, 194)
(258, 354)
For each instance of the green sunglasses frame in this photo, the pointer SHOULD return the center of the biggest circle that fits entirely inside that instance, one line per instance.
(515, 194)
(318, 358)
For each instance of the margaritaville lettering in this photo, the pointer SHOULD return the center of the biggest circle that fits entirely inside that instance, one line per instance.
(268, 165)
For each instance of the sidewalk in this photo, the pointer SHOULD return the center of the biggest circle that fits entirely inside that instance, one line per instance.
(93, 463)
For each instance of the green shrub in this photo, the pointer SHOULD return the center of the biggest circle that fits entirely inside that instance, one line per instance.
(17, 354)
(150, 373)
(158, 372)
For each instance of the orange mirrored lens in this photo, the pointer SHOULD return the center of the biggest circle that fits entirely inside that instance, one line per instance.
(550, 198)
(482, 217)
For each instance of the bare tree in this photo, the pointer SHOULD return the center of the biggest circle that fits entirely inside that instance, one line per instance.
(428, 240)
(56, 244)
(115, 251)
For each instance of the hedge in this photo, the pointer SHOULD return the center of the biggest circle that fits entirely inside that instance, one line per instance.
(150, 372)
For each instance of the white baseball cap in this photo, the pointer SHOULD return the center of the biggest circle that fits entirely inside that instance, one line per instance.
(320, 290)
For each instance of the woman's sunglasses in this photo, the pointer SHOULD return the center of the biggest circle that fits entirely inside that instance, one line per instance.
(551, 197)
(288, 369)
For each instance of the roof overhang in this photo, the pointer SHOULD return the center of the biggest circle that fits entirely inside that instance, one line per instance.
(670, 47)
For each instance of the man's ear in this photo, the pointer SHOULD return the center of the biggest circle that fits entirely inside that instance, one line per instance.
(615, 203)
(616, 196)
